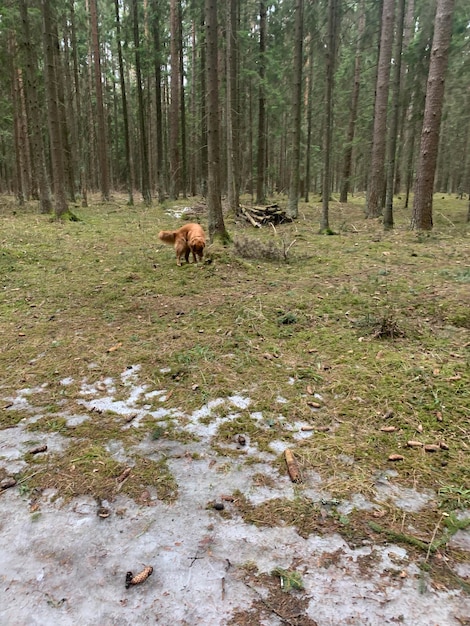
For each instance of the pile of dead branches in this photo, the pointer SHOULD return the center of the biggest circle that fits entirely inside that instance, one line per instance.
(260, 215)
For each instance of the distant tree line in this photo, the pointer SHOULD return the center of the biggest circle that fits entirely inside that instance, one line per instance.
(175, 98)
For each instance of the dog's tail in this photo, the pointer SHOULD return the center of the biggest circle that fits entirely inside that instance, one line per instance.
(167, 236)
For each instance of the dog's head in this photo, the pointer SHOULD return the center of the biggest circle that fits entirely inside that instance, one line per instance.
(197, 246)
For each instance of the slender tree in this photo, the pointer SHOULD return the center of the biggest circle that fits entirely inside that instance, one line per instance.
(424, 183)
(293, 200)
(232, 108)
(375, 189)
(175, 165)
(53, 116)
(333, 19)
(261, 159)
(34, 113)
(125, 113)
(102, 139)
(215, 216)
(156, 22)
(348, 152)
(144, 161)
(393, 128)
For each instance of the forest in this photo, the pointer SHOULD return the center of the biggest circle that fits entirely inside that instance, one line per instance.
(279, 432)
(180, 98)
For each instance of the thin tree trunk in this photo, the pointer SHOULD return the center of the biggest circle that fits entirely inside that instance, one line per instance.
(261, 159)
(376, 180)
(292, 208)
(347, 161)
(214, 202)
(158, 100)
(145, 182)
(56, 145)
(79, 122)
(125, 114)
(174, 100)
(393, 129)
(203, 108)
(232, 112)
(102, 140)
(309, 120)
(333, 9)
(45, 201)
(184, 163)
(424, 184)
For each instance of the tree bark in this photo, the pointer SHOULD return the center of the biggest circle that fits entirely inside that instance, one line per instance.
(125, 114)
(347, 159)
(216, 224)
(293, 200)
(424, 183)
(333, 19)
(158, 100)
(174, 100)
(261, 158)
(145, 179)
(376, 179)
(393, 130)
(232, 109)
(56, 145)
(45, 201)
(102, 140)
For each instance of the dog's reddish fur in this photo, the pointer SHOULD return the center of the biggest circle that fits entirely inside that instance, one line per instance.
(190, 238)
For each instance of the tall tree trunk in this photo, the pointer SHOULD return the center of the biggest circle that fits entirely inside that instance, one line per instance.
(193, 135)
(424, 183)
(308, 147)
(375, 195)
(145, 181)
(158, 99)
(184, 163)
(102, 140)
(203, 108)
(261, 159)
(125, 114)
(20, 182)
(79, 122)
(292, 208)
(405, 96)
(393, 129)
(333, 19)
(45, 201)
(232, 109)
(347, 159)
(214, 202)
(175, 99)
(53, 116)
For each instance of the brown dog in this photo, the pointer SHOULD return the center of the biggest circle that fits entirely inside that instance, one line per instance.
(188, 238)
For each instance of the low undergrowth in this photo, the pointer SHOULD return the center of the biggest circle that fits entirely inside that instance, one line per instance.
(363, 336)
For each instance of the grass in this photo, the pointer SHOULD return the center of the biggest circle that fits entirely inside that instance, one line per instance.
(369, 320)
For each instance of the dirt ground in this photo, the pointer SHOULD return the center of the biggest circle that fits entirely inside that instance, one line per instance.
(65, 562)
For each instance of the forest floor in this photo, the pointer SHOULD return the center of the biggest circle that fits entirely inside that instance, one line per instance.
(145, 411)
